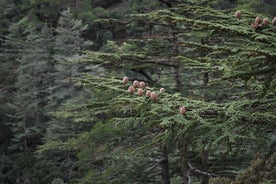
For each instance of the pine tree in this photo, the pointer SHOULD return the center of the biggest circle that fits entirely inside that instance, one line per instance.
(67, 48)
(219, 108)
(68, 45)
(34, 78)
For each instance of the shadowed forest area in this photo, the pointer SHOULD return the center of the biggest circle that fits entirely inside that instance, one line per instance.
(137, 91)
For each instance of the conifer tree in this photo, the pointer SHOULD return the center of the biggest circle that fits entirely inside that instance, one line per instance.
(34, 78)
(68, 45)
(8, 63)
(218, 108)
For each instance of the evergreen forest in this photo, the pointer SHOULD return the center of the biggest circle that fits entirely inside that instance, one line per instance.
(137, 91)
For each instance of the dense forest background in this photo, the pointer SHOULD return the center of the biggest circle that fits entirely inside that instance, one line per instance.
(137, 91)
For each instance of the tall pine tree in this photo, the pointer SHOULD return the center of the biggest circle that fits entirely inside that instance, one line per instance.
(34, 78)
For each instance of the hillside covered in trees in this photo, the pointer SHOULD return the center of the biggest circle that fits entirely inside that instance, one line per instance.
(137, 91)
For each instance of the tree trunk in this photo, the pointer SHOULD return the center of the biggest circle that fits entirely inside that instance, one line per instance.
(25, 130)
(185, 167)
(164, 164)
(204, 161)
(177, 79)
(175, 52)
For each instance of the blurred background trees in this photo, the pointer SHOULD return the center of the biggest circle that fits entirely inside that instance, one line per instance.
(66, 116)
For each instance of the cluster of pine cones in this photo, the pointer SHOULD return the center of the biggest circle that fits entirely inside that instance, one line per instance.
(259, 23)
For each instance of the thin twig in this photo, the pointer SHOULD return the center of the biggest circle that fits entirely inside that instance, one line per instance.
(201, 172)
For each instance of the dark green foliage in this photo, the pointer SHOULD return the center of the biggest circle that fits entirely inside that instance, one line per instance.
(62, 93)
(6, 166)
(33, 170)
(34, 78)
(261, 7)
(8, 12)
(68, 45)
(216, 50)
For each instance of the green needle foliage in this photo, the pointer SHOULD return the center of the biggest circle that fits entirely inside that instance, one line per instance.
(223, 70)
(220, 67)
